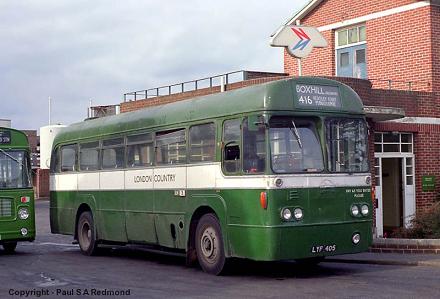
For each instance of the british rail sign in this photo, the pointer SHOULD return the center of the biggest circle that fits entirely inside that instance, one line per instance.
(298, 40)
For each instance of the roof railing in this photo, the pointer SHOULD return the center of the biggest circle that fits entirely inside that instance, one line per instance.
(243, 75)
(400, 85)
(207, 82)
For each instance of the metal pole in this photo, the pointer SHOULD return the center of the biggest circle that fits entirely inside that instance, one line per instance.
(90, 108)
(299, 67)
(50, 121)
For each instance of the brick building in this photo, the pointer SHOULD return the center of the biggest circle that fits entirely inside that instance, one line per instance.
(395, 47)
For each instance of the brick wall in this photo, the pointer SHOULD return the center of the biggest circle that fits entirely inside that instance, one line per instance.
(435, 37)
(400, 47)
(334, 11)
(41, 183)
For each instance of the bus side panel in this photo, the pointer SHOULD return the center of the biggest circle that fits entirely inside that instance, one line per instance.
(246, 215)
(110, 215)
(62, 212)
(170, 211)
(139, 216)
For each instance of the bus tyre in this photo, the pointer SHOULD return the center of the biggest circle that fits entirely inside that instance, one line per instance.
(9, 247)
(209, 245)
(87, 234)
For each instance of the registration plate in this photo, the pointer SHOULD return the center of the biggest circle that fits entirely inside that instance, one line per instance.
(323, 248)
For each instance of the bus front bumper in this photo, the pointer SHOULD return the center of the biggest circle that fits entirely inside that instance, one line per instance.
(17, 235)
(288, 242)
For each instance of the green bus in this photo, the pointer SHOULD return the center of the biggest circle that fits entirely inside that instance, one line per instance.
(17, 220)
(275, 171)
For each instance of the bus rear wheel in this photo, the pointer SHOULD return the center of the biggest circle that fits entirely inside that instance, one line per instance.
(9, 247)
(209, 245)
(87, 234)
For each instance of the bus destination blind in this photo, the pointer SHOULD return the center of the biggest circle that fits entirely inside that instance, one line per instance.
(5, 137)
(318, 96)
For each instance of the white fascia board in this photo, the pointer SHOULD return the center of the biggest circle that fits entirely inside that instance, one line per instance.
(313, 3)
(375, 15)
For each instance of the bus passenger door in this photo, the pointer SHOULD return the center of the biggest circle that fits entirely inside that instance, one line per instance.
(139, 206)
(170, 205)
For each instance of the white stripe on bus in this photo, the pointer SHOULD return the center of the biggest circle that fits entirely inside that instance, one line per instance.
(207, 176)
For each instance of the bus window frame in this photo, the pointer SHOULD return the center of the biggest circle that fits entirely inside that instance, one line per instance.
(214, 155)
(99, 155)
(156, 147)
(152, 141)
(246, 119)
(103, 147)
(238, 142)
(75, 164)
(317, 122)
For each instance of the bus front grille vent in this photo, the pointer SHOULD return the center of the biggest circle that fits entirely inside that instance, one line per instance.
(5, 207)
(293, 195)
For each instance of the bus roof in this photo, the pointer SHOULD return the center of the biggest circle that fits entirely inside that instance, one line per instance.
(12, 138)
(280, 95)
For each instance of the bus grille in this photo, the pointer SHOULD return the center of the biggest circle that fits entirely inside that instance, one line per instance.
(293, 195)
(5, 207)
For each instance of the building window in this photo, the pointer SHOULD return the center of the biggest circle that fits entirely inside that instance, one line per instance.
(390, 142)
(351, 53)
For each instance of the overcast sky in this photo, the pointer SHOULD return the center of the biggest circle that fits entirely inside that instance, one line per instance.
(78, 50)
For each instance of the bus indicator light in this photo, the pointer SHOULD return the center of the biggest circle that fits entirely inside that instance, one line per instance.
(25, 199)
(263, 200)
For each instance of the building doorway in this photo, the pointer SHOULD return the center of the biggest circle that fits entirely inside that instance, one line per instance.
(395, 191)
(392, 195)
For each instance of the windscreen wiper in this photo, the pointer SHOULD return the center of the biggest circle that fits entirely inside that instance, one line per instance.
(295, 132)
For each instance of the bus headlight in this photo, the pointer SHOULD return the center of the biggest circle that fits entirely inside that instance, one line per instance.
(356, 238)
(354, 210)
(298, 214)
(368, 180)
(278, 182)
(23, 213)
(286, 214)
(364, 210)
(24, 231)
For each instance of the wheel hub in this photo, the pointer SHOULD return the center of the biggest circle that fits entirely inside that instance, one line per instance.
(209, 244)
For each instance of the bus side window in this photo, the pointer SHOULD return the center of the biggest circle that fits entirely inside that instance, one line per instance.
(231, 151)
(89, 156)
(171, 147)
(55, 161)
(140, 150)
(68, 157)
(202, 143)
(113, 153)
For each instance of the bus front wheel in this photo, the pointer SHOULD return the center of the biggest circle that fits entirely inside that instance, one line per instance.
(209, 245)
(9, 247)
(87, 234)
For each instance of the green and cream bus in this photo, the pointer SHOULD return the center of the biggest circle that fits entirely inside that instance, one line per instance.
(17, 221)
(276, 171)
